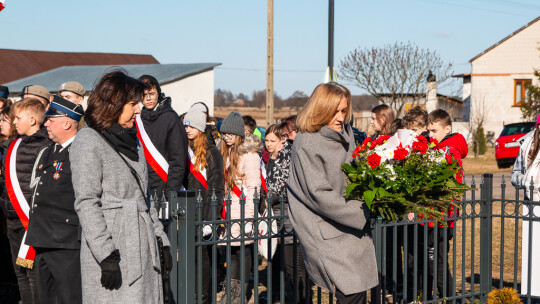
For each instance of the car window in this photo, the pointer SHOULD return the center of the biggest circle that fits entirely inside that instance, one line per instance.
(517, 129)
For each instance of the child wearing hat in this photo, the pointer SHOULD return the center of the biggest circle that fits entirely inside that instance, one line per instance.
(205, 177)
(242, 175)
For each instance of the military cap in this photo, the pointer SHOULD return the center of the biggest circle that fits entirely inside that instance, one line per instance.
(61, 107)
(36, 90)
(72, 86)
(4, 91)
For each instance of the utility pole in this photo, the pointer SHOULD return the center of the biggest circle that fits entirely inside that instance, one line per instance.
(330, 74)
(270, 65)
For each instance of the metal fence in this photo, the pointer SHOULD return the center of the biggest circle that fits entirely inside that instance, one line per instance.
(478, 248)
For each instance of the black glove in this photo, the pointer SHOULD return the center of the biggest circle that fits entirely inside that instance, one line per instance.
(110, 271)
(167, 259)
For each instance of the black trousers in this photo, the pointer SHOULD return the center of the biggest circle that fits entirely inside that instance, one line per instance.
(302, 290)
(434, 240)
(355, 298)
(26, 278)
(236, 260)
(58, 275)
(206, 265)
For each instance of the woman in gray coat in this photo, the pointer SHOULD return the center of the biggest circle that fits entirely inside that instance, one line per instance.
(119, 253)
(334, 232)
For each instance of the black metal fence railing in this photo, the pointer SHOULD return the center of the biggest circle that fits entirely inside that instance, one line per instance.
(478, 248)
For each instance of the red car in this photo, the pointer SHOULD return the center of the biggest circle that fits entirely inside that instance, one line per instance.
(507, 145)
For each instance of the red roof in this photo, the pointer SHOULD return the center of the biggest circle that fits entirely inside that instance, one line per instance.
(17, 64)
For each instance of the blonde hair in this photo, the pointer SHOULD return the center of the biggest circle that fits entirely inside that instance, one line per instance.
(250, 143)
(33, 106)
(322, 106)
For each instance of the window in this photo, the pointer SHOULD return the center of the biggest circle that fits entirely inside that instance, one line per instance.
(520, 91)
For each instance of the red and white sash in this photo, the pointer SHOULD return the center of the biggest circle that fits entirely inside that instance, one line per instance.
(151, 153)
(200, 175)
(263, 176)
(26, 255)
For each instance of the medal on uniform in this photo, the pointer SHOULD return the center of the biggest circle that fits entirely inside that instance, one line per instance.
(55, 163)
(58, 167)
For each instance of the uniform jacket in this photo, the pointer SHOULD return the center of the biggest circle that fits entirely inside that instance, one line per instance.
(114, 214)
(53, 220)
(334, 232)
(169, 137)
(215, 181)
(248, 178)
(4, 198)
(26, 156)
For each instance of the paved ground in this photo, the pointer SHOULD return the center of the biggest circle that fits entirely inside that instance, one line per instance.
(510, 191)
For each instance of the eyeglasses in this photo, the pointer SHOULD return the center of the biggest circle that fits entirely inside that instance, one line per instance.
(151, 94)
(290, 132)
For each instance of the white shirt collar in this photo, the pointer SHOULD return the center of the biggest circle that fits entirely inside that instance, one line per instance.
(67, 143)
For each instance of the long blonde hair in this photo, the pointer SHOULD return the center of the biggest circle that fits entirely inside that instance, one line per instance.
(250, 143)
(322, 105)
(199, 147)
(231, 154)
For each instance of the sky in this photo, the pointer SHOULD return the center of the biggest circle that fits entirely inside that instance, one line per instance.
(233, 32)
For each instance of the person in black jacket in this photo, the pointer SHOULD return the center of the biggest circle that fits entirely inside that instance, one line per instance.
(28, 119)
(205, 177)
(53, 229)
(167, 135)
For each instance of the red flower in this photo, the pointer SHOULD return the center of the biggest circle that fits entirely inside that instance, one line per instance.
(374, 160)
(433, 140)
(420, 146)
(356, 151)
(382, 138)
(421, 138)
(400, 153)
(366, 141)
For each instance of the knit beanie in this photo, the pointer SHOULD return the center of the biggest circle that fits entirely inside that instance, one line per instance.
(233, 124)
(196, 119)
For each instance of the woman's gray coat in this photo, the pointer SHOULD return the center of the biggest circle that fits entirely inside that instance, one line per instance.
(334, 232)
(113, 215)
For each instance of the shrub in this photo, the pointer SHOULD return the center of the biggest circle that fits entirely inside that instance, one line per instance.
(480, 143)
(504, 296)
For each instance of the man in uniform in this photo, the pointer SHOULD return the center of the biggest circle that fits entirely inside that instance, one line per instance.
(38, 92)
(72, 91)
(53, 228)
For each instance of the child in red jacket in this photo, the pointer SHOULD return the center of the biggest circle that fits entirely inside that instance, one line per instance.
(455, 146)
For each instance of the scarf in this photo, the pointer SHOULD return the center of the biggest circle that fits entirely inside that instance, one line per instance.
(123, 140)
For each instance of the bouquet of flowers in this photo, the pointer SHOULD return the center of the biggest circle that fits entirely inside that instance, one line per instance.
(404, 173)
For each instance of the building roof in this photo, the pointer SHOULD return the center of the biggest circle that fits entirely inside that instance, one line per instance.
(88, 75)
(17, 64)
(504, 39)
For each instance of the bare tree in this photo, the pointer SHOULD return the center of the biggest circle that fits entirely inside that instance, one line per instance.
(396, 72)
(480, 111)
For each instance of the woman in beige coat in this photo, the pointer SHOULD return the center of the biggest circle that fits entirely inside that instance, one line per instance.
(242, 174)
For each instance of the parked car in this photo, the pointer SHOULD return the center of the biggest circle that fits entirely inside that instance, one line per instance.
(507, 145)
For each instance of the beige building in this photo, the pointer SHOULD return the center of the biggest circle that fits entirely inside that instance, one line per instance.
(495, 88)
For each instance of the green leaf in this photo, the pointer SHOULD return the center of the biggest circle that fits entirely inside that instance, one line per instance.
(348, 168)
(369, 196)
(383, 193)
(350, 188)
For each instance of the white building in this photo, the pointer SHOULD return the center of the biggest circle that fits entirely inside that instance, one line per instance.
(496, 85)
(186, 84)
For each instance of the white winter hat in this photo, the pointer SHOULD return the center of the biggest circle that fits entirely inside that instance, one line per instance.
(196, 119)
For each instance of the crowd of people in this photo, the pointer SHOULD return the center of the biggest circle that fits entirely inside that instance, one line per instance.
(81, 226)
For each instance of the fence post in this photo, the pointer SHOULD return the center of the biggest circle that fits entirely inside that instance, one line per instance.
(486, 236)
(376, 229)
(186, 247)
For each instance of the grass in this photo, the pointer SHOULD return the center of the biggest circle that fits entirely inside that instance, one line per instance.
(482, 163)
